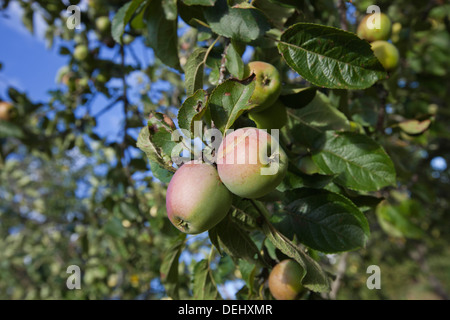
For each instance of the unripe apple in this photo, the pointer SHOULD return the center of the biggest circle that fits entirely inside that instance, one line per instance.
(307, 165)
(285, 280)
(196, 199)
(127, 39)
(81, 52)
(101, 78)
(386, 53)
(375, 33)
(6, 109)
(82, 82)
(103, 24)
(251, 163)
(62, 76)
(274, 117)
(268, 84)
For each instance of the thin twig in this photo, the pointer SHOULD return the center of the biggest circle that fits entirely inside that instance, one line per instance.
(342, 14)
(223, 62)
(341, 267)
(108, 107)
(382, 92)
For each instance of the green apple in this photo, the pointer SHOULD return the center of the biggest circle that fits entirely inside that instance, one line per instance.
(274, 117)
(268, 84)
(196, 199)
(83, 82)
(386, 53)
(103, 24)
(81, 52)
(101, 78)
(127, 39)
(285, 280)
(251, 163)
(369, 31)
(307, 165)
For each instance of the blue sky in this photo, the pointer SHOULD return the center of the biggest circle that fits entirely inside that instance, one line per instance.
(30, 66)
(27, 64)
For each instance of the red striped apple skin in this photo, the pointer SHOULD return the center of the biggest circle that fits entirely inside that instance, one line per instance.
(196, 199)
(249, 169)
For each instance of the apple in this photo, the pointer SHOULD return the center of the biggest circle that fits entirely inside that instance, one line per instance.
(307, 165)
(386, 53)
(382, 33)
(82, 82)
(127, 39)
(268, 84)
(101, 78)
(81, 52)
(251, 163)
(285, 280)
(6, 109)
(196, 199)
(274, 117)
(103, 24)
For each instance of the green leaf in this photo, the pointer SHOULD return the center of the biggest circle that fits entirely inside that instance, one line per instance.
(365, 203)
(204, 287)
(415, 127)
(241, 24)
(128, 210)
(199, 2)
(162, 35)
(313, 278)
(194, 70)
(169, 266)
(329, 57)
(138, 21)
(398, 220)
(193, 15)
(229, 100)
(234, 63)
(295, 180)
(122, 17)
(315, 119)
(10, 130)
(163, 141)
(300, 5)
(192, 110)
(248, 271)
(160, 173)
(276, 14)
(323, 220)
(235, 241)
(244, 214)
(365, 109)
(155, 140)
(297, 98)
(359, 162)
(114, 228)
(28, 18)
(170, 9)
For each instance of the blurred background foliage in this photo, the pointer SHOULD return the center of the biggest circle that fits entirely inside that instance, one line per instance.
(72, 196)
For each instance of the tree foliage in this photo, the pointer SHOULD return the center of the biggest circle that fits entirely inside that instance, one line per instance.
(73, 196)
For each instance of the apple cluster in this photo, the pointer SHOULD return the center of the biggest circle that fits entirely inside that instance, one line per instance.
(249, 162)
(385, 51)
